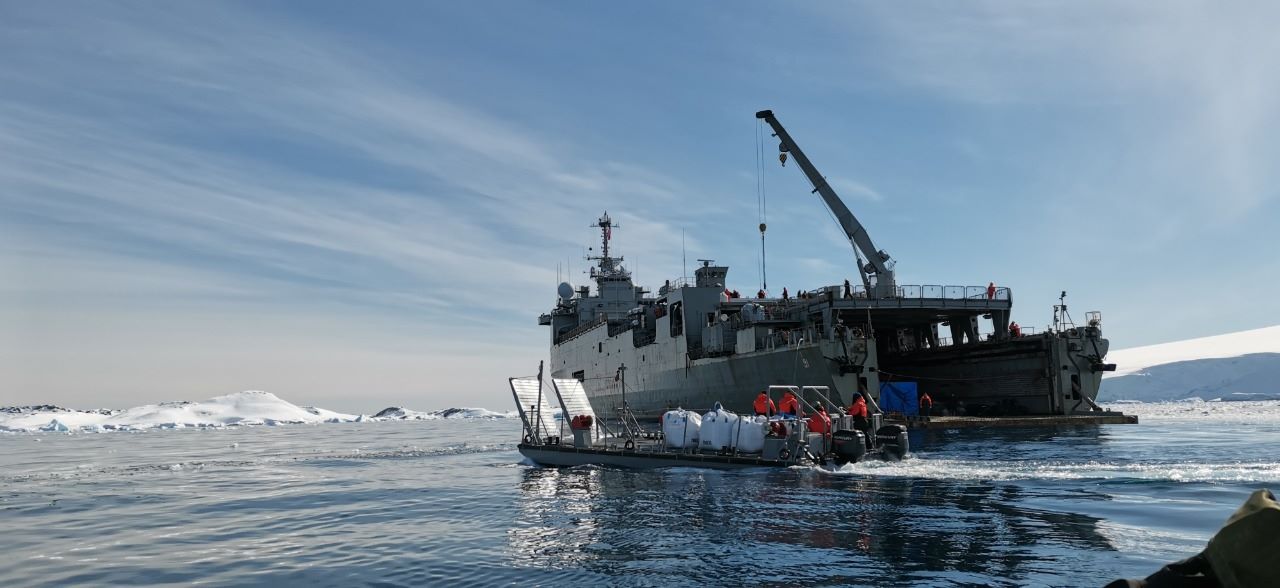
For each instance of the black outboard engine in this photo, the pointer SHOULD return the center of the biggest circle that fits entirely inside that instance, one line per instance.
(848, 446)
(892, 439)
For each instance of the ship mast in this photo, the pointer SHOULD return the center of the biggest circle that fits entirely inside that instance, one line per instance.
(608, 266)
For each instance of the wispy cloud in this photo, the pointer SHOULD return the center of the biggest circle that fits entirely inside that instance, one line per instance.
(852, 189)
(469, 184)
(1193, 83)
(197, 159)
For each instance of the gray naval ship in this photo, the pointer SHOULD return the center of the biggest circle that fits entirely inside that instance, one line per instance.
(694, 344)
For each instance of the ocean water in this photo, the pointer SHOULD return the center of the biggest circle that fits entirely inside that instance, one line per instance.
(451, 502)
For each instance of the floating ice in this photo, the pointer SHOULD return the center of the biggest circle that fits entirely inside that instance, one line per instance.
(397, 413)
(55, 426)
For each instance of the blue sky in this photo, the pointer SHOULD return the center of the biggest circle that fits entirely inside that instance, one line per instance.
(358, 205)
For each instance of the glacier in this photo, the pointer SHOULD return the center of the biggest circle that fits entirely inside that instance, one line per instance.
(1235, 366)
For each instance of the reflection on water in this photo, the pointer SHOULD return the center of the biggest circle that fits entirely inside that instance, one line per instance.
(787, 525)
(1069, 506)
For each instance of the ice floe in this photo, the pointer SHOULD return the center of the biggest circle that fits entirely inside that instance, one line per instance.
(397, 413)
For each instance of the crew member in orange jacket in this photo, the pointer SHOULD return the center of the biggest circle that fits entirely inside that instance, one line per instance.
(789, 405)
(859, 407)
(820, 422)
(764, 405)
(926, 404)
(858, 410)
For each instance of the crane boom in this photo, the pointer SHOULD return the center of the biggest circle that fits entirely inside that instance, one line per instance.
(878, 261)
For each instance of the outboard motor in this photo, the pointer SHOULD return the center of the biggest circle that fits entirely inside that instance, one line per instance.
(892, 439)
(848, 446)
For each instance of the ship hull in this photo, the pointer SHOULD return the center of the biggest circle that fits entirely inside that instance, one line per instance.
(1039, 375)
(1046, 374)
(733, 382)
(657, 377)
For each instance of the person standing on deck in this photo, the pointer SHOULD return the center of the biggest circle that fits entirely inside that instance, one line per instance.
(858, 410)
(848, 290)
(764, 405)
(926, 404)
(991, 290)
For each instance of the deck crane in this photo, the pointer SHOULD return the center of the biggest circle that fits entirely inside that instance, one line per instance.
(877, 265)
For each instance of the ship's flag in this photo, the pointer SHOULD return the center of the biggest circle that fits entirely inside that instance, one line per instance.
(608, 232)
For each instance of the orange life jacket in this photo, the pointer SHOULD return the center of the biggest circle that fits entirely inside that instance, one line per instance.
(764, 405)
(859, 407)
(789, 405)
(820, 423)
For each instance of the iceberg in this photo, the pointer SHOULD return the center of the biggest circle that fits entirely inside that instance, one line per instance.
(55, 426)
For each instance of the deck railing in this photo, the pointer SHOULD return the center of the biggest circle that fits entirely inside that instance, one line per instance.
(919, 291)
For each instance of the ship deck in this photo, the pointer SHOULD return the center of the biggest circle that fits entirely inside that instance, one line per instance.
(968, 422)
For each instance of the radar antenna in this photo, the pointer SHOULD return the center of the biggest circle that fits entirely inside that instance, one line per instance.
(609, 266)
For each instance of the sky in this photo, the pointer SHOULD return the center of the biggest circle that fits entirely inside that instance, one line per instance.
(358, 205)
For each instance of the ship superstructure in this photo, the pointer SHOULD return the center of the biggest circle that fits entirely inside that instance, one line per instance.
(692, 344)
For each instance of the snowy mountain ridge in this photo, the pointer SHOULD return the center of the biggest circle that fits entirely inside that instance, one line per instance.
(1235, 366)
(251, 407)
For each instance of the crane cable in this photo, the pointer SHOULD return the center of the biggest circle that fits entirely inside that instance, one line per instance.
(761, 201)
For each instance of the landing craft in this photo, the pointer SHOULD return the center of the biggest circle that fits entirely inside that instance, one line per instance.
(693, 344)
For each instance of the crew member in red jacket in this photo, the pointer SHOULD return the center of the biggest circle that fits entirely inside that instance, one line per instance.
(858, 410)
(764, 405)
(789, 405)
(926, 404)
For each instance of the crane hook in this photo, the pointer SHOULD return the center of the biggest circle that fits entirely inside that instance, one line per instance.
(782, 157)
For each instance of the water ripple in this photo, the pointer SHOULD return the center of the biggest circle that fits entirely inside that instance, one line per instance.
(443, 502)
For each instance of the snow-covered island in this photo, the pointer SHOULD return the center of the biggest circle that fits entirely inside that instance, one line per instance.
(1234, 366)
(252, 407)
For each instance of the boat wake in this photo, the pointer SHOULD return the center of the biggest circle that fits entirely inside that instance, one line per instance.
(923, 466)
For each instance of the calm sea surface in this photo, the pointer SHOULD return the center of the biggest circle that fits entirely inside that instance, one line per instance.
(451, 502)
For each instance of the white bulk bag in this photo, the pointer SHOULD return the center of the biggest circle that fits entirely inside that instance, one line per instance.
(717, 429)
(750, 432)
(680, 428)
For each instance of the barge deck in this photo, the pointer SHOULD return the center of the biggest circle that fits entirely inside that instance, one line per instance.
(967, 422)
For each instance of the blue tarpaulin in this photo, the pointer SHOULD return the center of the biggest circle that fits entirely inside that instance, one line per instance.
(899, 397)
